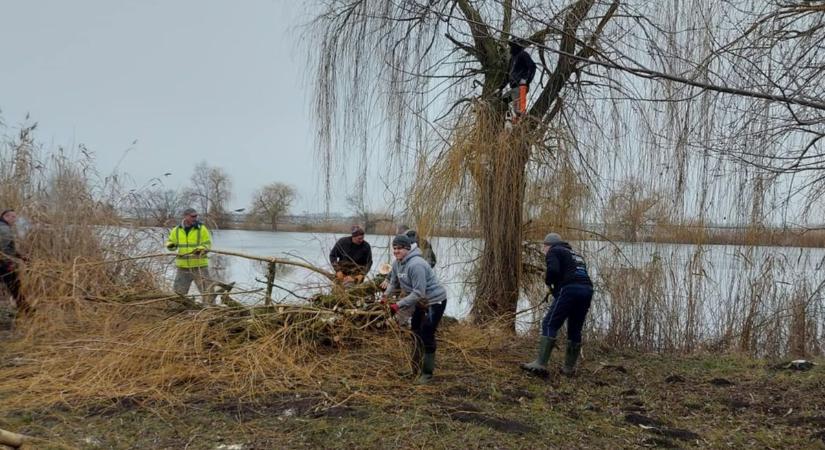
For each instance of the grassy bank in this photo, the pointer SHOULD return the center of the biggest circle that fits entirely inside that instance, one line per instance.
(479, 400)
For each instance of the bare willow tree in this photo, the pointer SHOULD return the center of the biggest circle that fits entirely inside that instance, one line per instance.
(423, 77)
(210, 189)
(271, 202)
(633, 208)
(161, 207)
(366, 216)
(439, 66)
(781, 53)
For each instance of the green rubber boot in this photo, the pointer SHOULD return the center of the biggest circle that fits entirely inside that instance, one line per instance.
(427, 368)
(574, 349)
(539, 366)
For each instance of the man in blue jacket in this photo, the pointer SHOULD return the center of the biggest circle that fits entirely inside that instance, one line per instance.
(424, 300)
(572, 292)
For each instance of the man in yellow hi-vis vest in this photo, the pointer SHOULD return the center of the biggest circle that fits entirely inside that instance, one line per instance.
(192, 240)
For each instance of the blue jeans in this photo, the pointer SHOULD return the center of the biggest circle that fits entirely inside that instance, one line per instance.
(571, 305)
(425, 323)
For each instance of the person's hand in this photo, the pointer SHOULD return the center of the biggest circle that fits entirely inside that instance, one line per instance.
(403, 315)
(171, 246)
(522, 81)
(384, 284)
(394, 308)
(199, 251)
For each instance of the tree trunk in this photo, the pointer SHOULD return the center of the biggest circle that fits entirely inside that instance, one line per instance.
(501, 200)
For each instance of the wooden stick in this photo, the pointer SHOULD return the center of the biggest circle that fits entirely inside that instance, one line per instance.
(270, 259)
(270, 280)
(13, 439)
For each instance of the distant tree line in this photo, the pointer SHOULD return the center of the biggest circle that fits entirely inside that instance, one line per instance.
(210, 192)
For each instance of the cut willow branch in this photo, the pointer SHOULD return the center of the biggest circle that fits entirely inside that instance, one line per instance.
(270, 259)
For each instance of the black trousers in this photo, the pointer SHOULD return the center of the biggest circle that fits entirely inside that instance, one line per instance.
(571, 305)
(425, 323)
(12, 282)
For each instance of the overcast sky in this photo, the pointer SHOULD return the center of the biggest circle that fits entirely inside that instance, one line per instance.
(187, 79)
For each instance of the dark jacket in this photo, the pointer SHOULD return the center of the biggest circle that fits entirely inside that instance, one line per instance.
(522, 67)
(427, 251)
(7, 246)
(350, 258)
(565, 267)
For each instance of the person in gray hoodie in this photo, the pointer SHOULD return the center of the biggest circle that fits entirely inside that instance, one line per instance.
(423, 298)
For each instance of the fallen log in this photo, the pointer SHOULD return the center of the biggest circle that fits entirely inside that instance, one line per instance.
(13, 439)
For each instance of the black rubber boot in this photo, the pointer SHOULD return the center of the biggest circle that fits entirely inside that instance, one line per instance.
(415, 361)
(539, 366)
(574, 349)
(427, 368)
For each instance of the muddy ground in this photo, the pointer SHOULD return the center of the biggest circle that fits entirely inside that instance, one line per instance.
(617, 400)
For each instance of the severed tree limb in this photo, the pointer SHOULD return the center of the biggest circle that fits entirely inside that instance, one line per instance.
(269, 259)
(13, 439)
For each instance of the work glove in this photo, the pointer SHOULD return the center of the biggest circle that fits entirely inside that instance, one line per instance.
(394, 308)
(199, 251)
(171, 246)
(403, 315)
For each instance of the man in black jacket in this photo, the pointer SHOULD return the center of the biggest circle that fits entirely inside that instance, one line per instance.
(572, 293)
(10, 260)
(351, 255)
(520, 74)
(522, 69)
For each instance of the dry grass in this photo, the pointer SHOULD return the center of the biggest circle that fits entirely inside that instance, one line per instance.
(106, 328)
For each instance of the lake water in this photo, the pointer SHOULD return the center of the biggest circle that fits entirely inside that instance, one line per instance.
(714, 282)
(453, 262)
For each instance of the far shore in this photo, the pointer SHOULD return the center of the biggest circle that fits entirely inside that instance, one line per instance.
(664, 234)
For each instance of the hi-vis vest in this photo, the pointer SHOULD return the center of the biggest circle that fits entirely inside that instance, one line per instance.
(198, 236)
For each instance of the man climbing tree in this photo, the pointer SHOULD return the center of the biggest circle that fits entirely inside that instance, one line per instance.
(522, 70)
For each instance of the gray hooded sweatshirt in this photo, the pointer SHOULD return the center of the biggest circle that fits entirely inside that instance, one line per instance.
(414, 276)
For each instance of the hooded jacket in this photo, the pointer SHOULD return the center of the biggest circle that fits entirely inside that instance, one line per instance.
(522, 66)
(565, 267)
(414, 276)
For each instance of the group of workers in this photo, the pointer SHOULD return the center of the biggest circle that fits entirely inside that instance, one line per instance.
(422, 299)
(412, 290)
